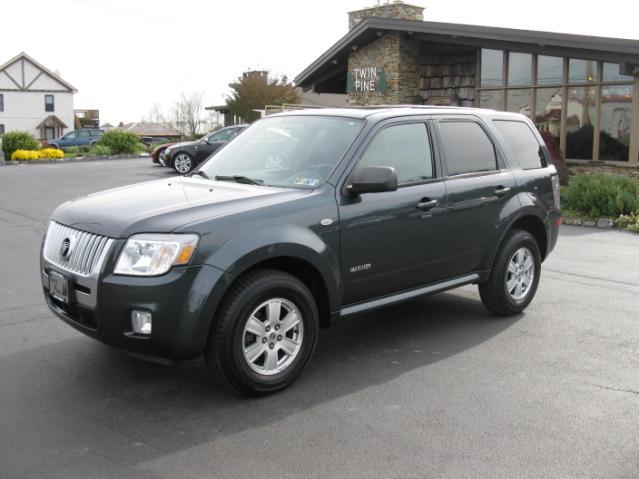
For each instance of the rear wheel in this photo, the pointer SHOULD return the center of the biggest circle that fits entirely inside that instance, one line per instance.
(183, 163)
(265, 332)
(515, 275)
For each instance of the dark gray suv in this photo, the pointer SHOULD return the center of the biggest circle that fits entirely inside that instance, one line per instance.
(306, 218)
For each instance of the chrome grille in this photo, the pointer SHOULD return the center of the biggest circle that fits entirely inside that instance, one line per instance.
(74, 250)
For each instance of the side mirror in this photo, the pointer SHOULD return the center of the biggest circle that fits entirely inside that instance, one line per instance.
(373, 179)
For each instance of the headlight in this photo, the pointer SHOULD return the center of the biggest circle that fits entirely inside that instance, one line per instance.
(155, 254)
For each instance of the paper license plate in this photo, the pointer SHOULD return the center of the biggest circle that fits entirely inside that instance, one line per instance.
(58, 286)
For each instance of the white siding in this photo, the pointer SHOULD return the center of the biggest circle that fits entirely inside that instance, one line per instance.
(24, 110)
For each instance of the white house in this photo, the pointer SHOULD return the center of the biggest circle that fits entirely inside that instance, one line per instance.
(34, 99)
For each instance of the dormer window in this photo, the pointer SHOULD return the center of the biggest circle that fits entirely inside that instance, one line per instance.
(49, 104)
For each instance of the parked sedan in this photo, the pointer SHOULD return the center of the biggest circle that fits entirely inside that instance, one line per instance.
(158, 151)
(183, 157)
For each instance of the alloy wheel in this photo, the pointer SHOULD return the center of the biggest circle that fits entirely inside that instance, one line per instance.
(520, 274)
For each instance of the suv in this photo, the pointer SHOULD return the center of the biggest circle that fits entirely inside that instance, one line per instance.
(306, 218)
(82, 137)
(185, 156)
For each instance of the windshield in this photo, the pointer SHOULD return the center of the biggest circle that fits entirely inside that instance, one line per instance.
(288, 151)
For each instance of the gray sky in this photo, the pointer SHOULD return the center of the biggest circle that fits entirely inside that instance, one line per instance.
(125, 55)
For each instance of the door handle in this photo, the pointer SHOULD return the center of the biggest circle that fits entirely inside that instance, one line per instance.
(426, 204)
(501, 190)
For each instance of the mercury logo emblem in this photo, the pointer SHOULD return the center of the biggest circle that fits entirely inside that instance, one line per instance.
(66, 248)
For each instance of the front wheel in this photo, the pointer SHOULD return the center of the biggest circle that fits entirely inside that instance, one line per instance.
(183, 163)
(265, 332)
(515, 275)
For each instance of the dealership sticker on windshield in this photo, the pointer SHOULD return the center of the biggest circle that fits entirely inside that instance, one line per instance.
(306, 181)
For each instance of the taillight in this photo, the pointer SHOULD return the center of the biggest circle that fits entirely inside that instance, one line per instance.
(556, 191)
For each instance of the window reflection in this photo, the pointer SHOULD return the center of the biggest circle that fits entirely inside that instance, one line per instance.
(492, 64)
(548, 107)
(582, 71)
(493, 99)
(579, 122)
(550, 70)
(615, 123)
(611, 73)
(518, 101)
(519, 69)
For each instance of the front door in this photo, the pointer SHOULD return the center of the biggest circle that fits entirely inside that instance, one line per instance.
(392, 241)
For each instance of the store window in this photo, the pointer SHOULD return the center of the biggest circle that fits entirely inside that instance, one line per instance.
(548, 107)
(581, 107)
(550, 70)
(519, 69)
(518, 101)
(611, 73)
(615, 123)
(492, 67)
(493, 99)
(582, 71)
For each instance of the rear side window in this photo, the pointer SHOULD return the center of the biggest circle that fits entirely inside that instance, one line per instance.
(522, 142)
(404, 147)
(467, 148)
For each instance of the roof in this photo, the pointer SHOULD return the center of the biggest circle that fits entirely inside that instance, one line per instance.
(45, 70)
(51, 120)
(549, 43)
(390, 111)
(143, 128)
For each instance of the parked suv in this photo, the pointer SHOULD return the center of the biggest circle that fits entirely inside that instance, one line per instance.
(306, 218)
(82, 137)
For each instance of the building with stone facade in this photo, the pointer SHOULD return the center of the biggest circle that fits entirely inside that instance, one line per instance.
(584, 90)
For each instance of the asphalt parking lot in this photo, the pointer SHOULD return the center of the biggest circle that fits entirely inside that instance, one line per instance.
(433, 388)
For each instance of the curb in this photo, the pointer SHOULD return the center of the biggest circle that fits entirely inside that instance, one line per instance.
(603, 223)
(77, 159)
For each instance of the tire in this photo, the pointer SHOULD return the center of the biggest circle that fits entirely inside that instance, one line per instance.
(53, 145)
(252, 358)
(182, 163)
(512, 285)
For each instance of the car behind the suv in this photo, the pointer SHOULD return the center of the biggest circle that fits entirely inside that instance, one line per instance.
(185, 156)
(306, 218)
(81, 137)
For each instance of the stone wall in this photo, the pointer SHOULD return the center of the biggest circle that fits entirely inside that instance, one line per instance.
(599, 169)
(415, 72)
(396, 10)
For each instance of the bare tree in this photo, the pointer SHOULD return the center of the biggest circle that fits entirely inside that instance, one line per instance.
(155, 114)
(192, 110)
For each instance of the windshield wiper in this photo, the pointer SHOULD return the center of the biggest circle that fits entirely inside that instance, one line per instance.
(200, 173)
(239, 179)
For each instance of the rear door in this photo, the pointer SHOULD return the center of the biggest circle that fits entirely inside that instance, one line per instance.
(392, 241)
(478, 184)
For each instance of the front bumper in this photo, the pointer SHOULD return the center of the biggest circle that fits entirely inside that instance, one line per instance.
(182, 303)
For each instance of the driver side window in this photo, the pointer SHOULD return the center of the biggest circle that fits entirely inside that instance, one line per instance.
(404, 147)
(222, 135)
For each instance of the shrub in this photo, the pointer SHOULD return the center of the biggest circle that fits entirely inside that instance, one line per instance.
(36, 155)
(120, 141)
(51, 153)
(100, 150)
(602, 195)
(18, 140)
(629, 222)
(72, 151)
(556, 156)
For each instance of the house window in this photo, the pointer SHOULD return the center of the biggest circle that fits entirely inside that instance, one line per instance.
(49, 105)
(1, 130)
(1, 102)
(49, 133)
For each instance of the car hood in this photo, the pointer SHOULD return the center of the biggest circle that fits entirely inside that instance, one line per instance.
(184, 144)
(163, 206)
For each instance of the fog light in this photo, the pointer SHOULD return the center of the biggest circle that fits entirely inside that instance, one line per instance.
(141, 322)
